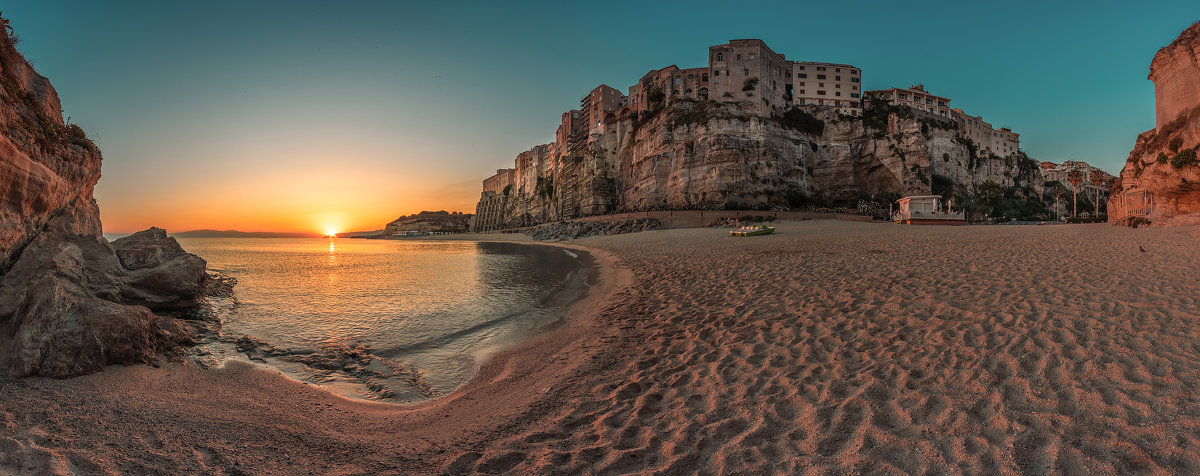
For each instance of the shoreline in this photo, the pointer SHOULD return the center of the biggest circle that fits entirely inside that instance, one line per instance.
(827, 346)
(366, 376)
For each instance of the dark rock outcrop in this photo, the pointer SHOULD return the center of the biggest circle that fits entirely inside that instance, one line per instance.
(71, 302)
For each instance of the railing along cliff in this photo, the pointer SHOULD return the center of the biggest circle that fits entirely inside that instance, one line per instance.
(1130, 203)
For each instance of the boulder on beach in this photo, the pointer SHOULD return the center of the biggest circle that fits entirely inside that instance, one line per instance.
(70, 301)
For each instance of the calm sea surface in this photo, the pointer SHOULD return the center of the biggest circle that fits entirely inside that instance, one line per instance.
(397, 320)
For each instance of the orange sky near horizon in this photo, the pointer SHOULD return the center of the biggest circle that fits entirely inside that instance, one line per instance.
(306, 200)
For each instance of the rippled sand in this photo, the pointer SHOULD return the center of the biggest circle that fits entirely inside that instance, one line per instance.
(827, 346)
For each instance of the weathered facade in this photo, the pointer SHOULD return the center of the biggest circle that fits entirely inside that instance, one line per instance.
(1002, 142)
(917, 98)
(827, 84)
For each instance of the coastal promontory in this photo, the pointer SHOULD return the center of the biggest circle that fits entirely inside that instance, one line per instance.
(71, 302)
(1161, 180)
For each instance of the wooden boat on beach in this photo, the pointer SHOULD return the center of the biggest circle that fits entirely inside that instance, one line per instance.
(753, 230)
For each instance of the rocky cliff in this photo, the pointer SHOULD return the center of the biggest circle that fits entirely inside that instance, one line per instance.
(1161, 179)
(70, 301)
(711, 155)
(426, 221)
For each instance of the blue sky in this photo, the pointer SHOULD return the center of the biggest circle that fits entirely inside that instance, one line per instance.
(409, 106)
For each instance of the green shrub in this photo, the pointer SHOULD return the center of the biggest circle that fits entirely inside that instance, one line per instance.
(1187, 158)
(1162, 158)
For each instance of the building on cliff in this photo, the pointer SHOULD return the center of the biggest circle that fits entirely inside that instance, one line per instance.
(1002, 142)
(489, 211)
(725, 135)
(749, 71)
(827, 84)
(917, 98)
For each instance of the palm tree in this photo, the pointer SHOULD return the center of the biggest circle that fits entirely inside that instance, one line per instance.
(1097, 179)
(1075, 177)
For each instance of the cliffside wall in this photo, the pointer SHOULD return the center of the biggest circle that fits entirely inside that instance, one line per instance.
(1161, 178)
(1175, 72)
(711, 155)
(70, 301)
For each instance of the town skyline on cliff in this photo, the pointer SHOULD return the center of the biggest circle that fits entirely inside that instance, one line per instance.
(378, 131)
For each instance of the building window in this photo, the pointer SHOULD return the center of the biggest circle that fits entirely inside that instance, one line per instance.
(739, 57)
(746, 71)
(820, 76)
(853, 95)
(837, 78)
(801, 67)
(820, 85)
(856, 88)
(802, 75)
(822, 93)
(801, 92)
(820, 68)
(837, 70)
(720, 57)
(751, 55)
(717, 73)
(853, 80)
(802, 83)
(838, 86)
(704, 77)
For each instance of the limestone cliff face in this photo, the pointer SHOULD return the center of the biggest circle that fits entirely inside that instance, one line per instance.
(711, 156)
(1175, 72)
(71, 302)
(1161, 178)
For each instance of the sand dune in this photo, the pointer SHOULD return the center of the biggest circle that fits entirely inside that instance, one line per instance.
(829, 346)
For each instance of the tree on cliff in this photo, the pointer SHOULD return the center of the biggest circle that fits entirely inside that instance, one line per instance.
(1076, 178)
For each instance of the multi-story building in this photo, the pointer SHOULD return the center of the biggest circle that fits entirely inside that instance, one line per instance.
(747, 71)
(1002, 142)
(827, 84)
(572, 133)
(489, 211)
(917, 98)
(598, 103)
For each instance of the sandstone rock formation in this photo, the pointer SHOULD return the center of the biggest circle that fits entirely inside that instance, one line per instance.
(1161, 179)
(709, 155)
(71, 302)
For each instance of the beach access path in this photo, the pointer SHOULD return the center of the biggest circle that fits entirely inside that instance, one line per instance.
(827, 346)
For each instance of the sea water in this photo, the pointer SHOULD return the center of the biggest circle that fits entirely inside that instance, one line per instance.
(396, 320)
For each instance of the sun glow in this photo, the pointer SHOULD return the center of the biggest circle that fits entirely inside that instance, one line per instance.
(331, 232)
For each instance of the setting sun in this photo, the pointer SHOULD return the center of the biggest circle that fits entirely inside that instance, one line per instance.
(330, 232)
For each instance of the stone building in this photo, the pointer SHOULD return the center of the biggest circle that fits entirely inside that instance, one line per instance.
(749, 72)
(598, 103)
(827, 84)
(1002, 142)
(917, 98)
(489, 211)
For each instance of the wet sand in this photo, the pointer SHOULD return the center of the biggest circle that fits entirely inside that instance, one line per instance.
(829, 346)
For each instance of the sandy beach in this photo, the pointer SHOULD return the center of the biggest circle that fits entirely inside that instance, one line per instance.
(829, 346)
